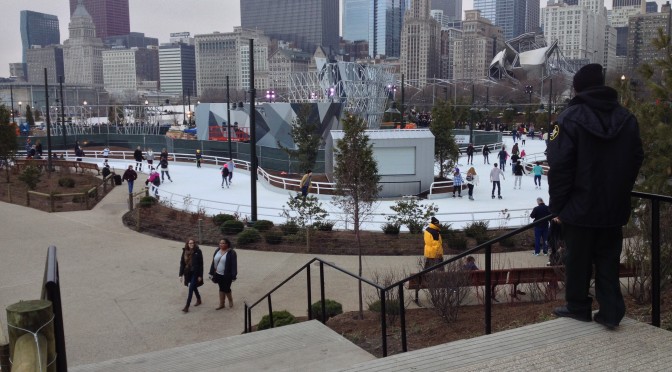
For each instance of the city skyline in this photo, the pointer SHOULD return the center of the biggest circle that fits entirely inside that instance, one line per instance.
(155, 18)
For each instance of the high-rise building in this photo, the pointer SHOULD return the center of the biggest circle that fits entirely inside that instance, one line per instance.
(132, 40)
(452, 9)
(377, 22)
(306, 23)
(83, 51)
(515, 17)
(49, 57)
(621, 11)
(642, 29)
(38, 29)
(111, 17)
(420, 44)
(219, 55)
(177, 65)
(17, 70)
(126, 69)
(480, 41)
(448, 37)
(283, 63)
(579, 30)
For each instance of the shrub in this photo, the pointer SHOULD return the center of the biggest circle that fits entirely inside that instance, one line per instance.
(331, 308)
(221, 218)
(263, 225)
(66, 182)
(457, 242)
(290, 228)
(415, 227)
(391, 307)
(249, 236)
(476, 228)
(391, 228)
(78, 199)
(412, 214)
(508, 242)
(232, 227)
(273, 236)
(147, 201)
(280, 318)
(324, 225)
(482, 238)
(447, 232)
(30, 176)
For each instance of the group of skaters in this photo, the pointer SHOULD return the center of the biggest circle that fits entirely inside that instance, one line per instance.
(497, 172)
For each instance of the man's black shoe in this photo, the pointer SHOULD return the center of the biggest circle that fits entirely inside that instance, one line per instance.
(610, 326)
(563, 312)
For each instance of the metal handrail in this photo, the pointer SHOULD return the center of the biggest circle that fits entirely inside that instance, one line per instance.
(487, 247)
(51, 291)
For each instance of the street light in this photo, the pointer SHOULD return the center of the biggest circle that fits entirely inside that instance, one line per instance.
(622, 88)
(270, 95)
(84, 112)
(528, 91)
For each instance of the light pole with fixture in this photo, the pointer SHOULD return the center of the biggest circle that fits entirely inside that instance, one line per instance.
(20, 104)
(84, 113)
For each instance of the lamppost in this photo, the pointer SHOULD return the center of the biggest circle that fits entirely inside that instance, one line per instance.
(622, 88)
(11, 95)
(84, 113)
(20, 103)
(528, 91)
(60, 82)
(393, 110)
(146, 103)
(270, 96)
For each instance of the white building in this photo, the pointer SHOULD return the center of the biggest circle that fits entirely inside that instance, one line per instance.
(83, 51)
(219, 55)
(177, 66)
(285, 62)
(579, 29)
(473, 52)
(127, 69)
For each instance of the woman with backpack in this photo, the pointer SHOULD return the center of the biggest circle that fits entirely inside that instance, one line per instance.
(472, 180)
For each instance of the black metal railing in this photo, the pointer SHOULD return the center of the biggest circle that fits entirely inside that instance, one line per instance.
(51, 291)
(487, 248)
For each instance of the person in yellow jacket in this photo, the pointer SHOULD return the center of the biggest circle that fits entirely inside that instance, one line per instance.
(433, 244)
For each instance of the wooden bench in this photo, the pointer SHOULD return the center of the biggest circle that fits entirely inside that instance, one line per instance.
(513, 277)
(91, 166)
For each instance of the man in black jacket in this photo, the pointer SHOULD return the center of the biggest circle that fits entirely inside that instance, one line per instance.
(541, 229)
(594, 156)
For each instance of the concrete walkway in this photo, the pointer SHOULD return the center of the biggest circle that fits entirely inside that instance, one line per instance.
(120, 289)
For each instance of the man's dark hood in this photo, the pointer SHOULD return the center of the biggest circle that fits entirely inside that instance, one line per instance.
(596, 109)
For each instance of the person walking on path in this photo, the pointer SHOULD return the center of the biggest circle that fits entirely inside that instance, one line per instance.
(541, 229)
(538, 171)
(137, 155)
(306, 181)
(594, 156)
(502, 155)
(130, 176)
(457, 182)
(163, 166)
(231, 165)
(472, 180)
(495, 173)
(433, 243)
(191, 271)
(470, 154)
(486, 153)
(518, 171)
(225, 175)
(198, 158)
(223, 271)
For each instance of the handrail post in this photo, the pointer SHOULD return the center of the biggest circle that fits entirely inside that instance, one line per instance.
(270, 310)
(245, 330)
(402, 318)
(655, 263)
(322, 300)
(383, 321)
(488, 289)
(249, 318)
(309, 292)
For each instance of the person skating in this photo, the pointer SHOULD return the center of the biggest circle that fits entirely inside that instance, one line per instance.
(495, 174)
(472, 180)
(457, 183)
(231, 165)
(518, 171)
(486, 154)
(225, 175)
(163, 166)
(541, 229)
(538, 171)
(502, 155)
(470, 154)
(198, 158)
(137, 155)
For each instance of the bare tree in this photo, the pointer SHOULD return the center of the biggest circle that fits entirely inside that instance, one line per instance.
(356, 174)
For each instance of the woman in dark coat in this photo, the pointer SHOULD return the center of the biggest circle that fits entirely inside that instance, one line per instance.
(191, 270)
(223, 271)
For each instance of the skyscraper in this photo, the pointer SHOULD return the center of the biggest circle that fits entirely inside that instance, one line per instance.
(83, 51)
(452, 9)
(38, 29)
(177, 66)
(377, 22)
(473, 52)
(307, 23)
(515, 17)
(111, 17)
(420, 44)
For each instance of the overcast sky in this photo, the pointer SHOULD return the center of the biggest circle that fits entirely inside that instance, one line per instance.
(156, 18)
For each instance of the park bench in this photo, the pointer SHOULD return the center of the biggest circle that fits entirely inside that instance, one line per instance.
(90, 166)
(513, 277)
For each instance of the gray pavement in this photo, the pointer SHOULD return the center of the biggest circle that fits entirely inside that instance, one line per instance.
(120, 289)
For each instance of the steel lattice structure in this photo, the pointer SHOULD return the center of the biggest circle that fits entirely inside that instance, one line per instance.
(362, 88)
